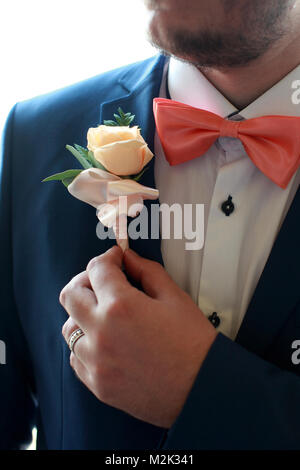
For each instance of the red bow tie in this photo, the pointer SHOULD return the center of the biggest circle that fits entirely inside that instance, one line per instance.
(272, 142)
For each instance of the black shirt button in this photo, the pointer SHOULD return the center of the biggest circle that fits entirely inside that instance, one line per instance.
(214, 319)
(228, 206)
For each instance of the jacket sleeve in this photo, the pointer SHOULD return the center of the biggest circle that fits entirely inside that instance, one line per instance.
(238, 401)
(17, 406)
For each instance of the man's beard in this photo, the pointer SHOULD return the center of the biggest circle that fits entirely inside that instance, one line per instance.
(260, 27)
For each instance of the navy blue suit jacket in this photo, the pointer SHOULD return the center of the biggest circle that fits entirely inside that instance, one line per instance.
(247, 393)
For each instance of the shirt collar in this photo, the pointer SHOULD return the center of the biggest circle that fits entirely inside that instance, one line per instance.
(189, 86)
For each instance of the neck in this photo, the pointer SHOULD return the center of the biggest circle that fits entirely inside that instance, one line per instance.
(241, 86)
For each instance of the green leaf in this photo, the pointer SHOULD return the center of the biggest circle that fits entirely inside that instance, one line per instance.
(66, 177)
(80, 156)
(121, 119)
(95, 162)
(139, 175)
(87, 154)
(131, 118)
(67, 181)
(83, 151)
(110, 123)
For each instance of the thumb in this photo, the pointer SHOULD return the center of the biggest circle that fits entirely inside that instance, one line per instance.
(150, 274)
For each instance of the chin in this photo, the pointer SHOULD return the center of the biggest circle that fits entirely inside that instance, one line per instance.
(157, 31)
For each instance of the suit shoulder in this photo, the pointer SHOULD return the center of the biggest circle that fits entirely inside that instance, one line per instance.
(81, 95)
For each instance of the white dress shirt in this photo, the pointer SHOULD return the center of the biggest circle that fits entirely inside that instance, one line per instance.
(223, 275)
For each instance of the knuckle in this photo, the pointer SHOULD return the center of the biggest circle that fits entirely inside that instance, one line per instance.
(68, 289)
(156, 266)
(67, 329)
(73, 286)
(93, 263)
(64, 330)
(116, 306)
(75, 282)
(63, 296)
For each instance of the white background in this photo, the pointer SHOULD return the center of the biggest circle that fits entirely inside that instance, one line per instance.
(49, 44)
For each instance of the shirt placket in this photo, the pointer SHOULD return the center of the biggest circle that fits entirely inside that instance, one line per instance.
(219, 280)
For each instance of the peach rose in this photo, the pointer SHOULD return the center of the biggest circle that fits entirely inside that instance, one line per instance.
(121, 150)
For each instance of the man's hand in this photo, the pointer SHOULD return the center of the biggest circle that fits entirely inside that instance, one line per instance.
(141, 351)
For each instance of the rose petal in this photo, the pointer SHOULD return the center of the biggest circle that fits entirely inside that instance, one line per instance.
(126, 187)
(126, 205)
(124, 158)
(91, 186)
(103, 135)
(113, 197)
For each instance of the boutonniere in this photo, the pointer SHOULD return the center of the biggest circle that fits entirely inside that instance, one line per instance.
(113, 162)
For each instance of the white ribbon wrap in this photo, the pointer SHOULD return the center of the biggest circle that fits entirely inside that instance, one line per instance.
(114, 198)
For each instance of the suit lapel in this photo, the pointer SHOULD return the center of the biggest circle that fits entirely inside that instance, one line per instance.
(137, 99)
(277, 292)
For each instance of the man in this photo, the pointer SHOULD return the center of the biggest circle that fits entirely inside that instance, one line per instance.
(204, 354)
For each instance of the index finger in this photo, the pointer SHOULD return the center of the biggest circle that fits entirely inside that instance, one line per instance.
(106, 275)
